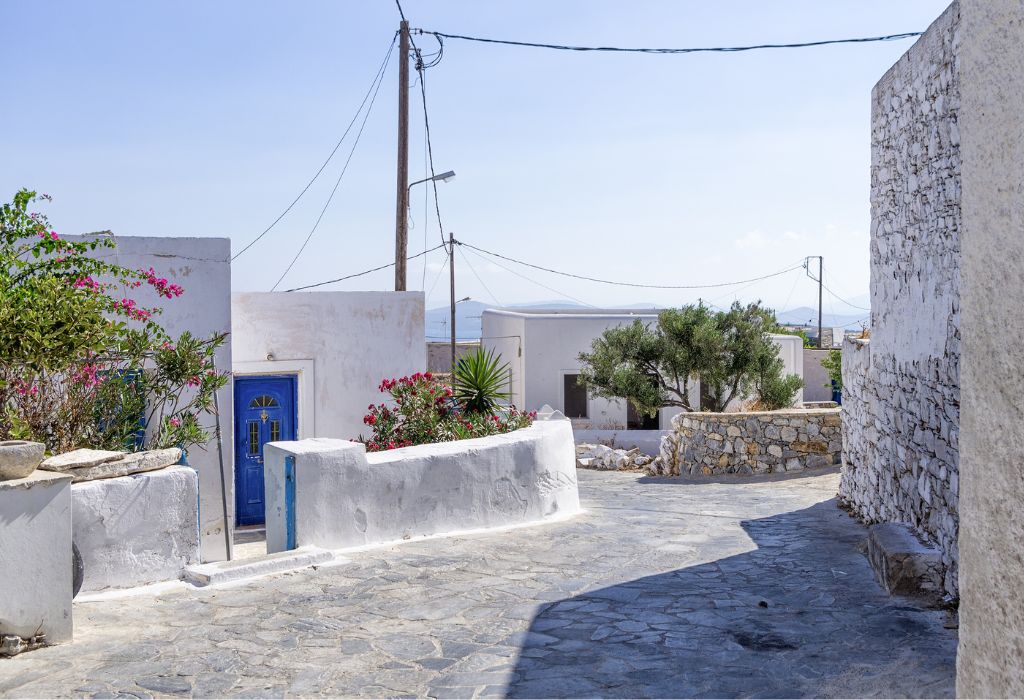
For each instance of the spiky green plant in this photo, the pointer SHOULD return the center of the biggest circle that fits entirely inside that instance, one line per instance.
(480, 381)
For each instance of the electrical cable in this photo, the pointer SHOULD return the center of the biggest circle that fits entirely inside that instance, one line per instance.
(478, 278)
(528, 279)
(359, 274)
(421, 69)
(437, 279)
(862, 308)
(329, 157)
(630, 284)
(341, 175)
(711, 49)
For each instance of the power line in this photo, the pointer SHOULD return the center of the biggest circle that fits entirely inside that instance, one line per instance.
(344, 169)
(421, 69)
(711, 49)
(630, 284)
(309, 184)
(359, 274)
(528, 279)
(401, 13)
(478, 278)
(862, 308)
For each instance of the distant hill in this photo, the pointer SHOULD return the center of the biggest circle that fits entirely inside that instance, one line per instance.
(468, 317)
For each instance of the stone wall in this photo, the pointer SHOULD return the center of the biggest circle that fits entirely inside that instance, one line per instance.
(762, 442)
(901, 391)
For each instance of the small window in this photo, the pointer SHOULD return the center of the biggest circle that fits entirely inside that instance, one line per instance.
(275, 430)
(263, 402)
(575, 401)
(254, 438)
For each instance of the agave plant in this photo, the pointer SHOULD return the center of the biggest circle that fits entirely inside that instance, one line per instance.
(480, 381)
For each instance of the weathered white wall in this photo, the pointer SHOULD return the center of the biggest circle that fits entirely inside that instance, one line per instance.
(350, 341)
(817, 385)
(136, 529)
(35, 556)
(345, 497)
(543, 346)
(439, 354)
(202, 266)
(901, 392)
(992, 408)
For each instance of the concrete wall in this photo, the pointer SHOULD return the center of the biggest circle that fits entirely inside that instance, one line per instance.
(35, 556)
(817, 385)
(543, 346)
(202, 266)
(439, 355)
(902, 391)
(340, 344)
(136, 529)
(992, 400)
(345, 497)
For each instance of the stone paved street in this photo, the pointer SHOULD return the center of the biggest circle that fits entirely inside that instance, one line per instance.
(664, 588)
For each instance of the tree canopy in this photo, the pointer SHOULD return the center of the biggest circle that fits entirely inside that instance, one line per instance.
(652, 365)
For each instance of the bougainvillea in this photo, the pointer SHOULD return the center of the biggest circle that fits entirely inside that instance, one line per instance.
(422, 410)
(82, 362)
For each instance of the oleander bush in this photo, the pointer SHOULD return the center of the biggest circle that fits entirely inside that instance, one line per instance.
(423, 409)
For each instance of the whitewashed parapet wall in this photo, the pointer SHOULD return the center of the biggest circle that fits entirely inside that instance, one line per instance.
(757, 442)
(901, 392)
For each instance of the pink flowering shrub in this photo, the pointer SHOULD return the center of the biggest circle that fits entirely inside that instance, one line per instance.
(422, 410)
(82, 362)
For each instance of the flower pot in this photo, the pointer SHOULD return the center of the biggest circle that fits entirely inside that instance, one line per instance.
(19, 458)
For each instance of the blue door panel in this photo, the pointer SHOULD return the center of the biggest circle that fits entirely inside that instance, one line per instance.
(264, 412)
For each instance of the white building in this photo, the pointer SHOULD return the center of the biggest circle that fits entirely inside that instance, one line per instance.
(304, 364)
(542, 348)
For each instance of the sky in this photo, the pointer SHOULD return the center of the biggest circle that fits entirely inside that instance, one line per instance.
(197, 118)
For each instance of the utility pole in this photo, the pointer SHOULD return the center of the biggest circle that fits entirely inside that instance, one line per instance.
(821, 277)
(402, 194)
(451, 273)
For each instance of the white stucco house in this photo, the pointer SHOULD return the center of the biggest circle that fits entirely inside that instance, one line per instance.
(304, 364)
(542, 347)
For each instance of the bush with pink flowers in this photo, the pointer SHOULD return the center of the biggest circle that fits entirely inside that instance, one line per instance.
(82, 363)
(422, 410)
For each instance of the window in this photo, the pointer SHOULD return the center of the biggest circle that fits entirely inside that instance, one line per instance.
(254, 438)
(275, 430)
(263, 402)
(575, 397)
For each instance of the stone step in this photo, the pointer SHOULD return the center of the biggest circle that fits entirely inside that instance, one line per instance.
(240, 569)
(904, 564)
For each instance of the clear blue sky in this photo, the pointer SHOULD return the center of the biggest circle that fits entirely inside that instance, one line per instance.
(206, 119)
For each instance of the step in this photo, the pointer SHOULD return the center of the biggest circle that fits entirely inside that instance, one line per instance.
(228, 571)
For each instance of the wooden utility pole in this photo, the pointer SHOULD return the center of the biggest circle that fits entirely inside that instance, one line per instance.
(451, 273)
(821, 270)
(402, 194)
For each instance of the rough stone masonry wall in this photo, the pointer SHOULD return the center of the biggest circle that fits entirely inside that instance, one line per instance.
(901, 391)
(762, 442)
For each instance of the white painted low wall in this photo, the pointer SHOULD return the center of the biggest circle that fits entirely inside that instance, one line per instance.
(647, 441)
(344, 497)
(136, 529)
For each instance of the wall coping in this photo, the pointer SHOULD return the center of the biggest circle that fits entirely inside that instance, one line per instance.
(781, 413)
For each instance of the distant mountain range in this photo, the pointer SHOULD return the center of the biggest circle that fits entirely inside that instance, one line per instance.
(468, 318)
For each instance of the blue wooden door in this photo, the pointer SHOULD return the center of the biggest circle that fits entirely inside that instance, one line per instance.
(264, 412)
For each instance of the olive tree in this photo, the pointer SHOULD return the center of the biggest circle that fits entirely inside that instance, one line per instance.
(652, 366)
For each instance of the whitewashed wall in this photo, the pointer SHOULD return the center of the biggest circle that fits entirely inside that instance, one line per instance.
(202, 266)
(902, 391)
(341, 344)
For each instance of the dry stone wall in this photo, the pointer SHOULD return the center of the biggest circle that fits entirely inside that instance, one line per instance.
(762, 442)
(901, 391)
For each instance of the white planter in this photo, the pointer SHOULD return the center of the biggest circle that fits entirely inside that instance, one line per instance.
(332, 494)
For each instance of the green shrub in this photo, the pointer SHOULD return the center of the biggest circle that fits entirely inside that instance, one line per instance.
(480, 382)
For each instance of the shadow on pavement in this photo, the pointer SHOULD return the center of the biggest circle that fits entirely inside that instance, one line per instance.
(801, 615)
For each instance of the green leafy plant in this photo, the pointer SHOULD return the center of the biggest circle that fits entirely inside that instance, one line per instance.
(481, 381)
(833, 364)
(730, 352)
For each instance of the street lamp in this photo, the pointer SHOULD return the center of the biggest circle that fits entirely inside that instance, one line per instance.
(443, 177)
(402, 221)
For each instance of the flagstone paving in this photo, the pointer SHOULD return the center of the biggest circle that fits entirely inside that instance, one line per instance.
(663, 588)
